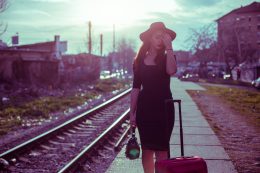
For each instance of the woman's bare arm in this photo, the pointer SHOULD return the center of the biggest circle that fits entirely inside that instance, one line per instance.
(134, 97)
(171, 65)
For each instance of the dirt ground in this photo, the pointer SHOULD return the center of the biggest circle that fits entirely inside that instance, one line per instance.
(239, 137)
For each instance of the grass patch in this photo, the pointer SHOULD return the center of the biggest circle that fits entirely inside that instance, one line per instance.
(9, 123)
(41, 108)
(243, 101)
(223, 81)
(111, 84)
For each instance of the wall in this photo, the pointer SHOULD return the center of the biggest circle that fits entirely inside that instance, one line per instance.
(28, 67)
(81, 68)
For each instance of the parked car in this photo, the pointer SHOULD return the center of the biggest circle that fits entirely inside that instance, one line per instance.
(226, 76)
(179, 74)
(190, 77)
(256, 83)
(212, 75)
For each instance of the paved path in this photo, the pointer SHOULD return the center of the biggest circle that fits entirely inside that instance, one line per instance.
(199, 139)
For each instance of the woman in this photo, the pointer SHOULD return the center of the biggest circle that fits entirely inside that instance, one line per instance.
(153, 67)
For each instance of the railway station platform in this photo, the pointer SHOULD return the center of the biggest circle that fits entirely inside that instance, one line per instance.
(199, 138)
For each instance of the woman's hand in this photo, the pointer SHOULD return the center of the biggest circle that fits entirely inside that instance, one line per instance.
(132, 119)
(167, 41)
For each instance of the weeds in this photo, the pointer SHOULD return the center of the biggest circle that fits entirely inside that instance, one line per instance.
(243, 101)
(41, 108)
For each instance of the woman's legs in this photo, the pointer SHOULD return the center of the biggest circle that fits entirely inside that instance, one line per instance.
(147, 160)
(161, 155)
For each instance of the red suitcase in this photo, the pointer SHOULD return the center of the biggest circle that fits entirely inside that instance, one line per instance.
(193, 164)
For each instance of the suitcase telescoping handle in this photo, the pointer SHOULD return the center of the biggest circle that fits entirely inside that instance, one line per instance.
(133, 131)
(180, 119)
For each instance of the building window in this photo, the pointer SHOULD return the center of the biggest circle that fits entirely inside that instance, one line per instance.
(242, 18)
(249, 18)
(258, 27)
(258, 36)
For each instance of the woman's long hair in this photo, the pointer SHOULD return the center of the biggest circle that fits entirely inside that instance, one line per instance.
(142, 53)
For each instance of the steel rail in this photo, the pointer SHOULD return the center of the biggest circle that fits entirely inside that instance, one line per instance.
(122, 138)
(72, 165)
(13, 152)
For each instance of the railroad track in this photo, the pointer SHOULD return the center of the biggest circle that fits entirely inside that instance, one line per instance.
(68, 146)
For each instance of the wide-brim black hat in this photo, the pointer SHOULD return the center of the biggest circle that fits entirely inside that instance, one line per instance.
(144, 36)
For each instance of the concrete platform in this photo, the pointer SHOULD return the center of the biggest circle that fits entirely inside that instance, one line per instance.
(199, 138)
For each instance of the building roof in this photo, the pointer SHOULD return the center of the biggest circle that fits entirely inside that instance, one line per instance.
(44, 46)
(80, 54)
(34, 44)
(253, 7)
(3, 50)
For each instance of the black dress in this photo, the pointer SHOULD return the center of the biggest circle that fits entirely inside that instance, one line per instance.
(154, 118)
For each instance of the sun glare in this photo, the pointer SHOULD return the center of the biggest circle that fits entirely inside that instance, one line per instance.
(104, 12)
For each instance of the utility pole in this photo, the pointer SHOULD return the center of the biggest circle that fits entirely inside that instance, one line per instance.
(101, 44)
(114, 38)
(89, 38)
(15, 39)
(113, 54)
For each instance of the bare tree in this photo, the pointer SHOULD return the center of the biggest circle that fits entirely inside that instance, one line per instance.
(202, 42)
(204, 46)
(244, 47)
(3, 7)
(236, 47)
(126, 53)
(122, 58)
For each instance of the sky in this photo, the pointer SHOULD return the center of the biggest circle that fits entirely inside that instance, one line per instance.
(39, 20)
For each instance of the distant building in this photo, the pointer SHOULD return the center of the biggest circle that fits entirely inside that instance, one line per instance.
(35, 64)
(2, 44)
(239, 37)
(183, 57)
(80, 68)
(245, 22)
(56, 48)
